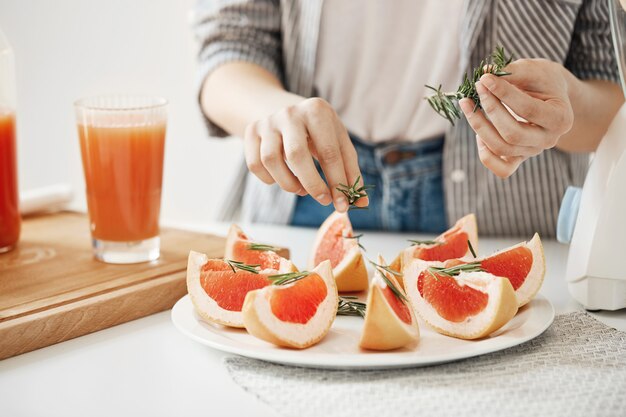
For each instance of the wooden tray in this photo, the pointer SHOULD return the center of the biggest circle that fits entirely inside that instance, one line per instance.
(52, 289)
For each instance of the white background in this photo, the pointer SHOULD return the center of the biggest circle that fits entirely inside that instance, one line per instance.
(67, 49)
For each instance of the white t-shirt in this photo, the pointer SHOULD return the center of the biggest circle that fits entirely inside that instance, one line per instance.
(374, 58)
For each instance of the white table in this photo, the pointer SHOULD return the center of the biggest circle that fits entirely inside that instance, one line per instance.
(146, 367)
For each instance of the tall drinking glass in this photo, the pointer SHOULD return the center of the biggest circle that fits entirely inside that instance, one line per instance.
(122, 140)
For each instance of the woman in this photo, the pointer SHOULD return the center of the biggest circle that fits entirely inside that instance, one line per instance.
(325, 93)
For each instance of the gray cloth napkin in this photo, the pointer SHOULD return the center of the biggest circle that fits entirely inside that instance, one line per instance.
(576, 368)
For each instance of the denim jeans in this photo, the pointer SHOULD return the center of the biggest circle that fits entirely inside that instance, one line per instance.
(407, 194)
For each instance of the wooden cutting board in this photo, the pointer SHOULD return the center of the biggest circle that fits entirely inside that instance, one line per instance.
(52, 289)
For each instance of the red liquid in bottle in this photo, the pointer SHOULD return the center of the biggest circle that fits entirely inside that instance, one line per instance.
(9, 205)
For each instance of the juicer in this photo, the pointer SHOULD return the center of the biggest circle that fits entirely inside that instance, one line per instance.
(592, 219)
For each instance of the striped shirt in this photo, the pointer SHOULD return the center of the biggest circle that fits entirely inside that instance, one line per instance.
(281, 36)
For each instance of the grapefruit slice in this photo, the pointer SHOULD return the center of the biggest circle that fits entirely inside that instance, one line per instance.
(469, 305)
(389, 319)
(239, 247)
(295, 313)
(523, 264)
(217, 292)
(451, 244)
(335, 241)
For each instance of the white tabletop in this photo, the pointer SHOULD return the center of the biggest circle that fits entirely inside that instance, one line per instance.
(146, 367)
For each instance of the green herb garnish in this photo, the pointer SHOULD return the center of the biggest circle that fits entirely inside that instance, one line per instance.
(358, 241)
(242, 266)
(288, 278)
(349, 307)
(455, 270)
(424, 242)
(262, 248)
(395, 290)
(354, 192)
(471, 248)
(444, 103)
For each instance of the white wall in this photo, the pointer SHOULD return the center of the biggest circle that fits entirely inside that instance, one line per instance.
(66, 49)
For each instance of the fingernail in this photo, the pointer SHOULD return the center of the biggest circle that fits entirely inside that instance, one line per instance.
(465, 105)
(323, 199)
(487, 81)
(341, 204)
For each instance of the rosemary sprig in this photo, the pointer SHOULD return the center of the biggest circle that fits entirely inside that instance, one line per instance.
(455, 270)
(424, 242)
(353, 192)
(385, 268)
(288, 278)
(242, 266)
(348, 307)
(444, 103)
(471, 248)
(358, 241)
(262, 248)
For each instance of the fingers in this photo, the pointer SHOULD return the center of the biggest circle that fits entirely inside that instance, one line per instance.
(503, 167)
(488, 132)
(271, 151)
(529, 108)
(350, 161)
(281, 148)
(300, 160)
(252, 153)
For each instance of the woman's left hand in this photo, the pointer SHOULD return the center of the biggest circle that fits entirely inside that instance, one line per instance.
(537, 92)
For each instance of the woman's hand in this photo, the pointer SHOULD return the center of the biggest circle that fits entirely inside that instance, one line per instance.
(537, 93)
(280, 149)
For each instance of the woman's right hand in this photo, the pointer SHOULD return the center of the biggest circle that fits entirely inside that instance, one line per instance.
(280, 149)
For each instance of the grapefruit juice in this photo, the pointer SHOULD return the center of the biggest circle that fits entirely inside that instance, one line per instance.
(9, 206)
(122, 142)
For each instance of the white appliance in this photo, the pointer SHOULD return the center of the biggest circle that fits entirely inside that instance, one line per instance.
(593, 219)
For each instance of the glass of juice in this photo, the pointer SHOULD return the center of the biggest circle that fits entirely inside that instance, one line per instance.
(9, 205)
(122, 141)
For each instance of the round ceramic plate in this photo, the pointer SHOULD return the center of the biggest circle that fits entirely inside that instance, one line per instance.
(340, 350)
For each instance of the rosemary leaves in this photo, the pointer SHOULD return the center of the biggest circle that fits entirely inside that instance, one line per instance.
(348, 306)
(395, 290)
(234, 265)
(444, 103)
(423, 242)
(262, 248)
(358, 241)
(455, 270)
(288, 278)
(354, 192)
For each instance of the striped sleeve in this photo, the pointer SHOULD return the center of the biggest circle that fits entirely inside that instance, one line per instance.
(236, 30)
(591, 54)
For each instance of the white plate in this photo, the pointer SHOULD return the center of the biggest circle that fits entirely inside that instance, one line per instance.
(339, 349)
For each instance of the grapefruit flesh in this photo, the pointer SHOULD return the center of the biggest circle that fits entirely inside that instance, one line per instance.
(453, 245)
(389, 320)
(399, 307)
(470, 305)
(237, 248)
(218, 293)
(452, 301)
(229, 288)
(295, 315)
(334, 243)
(299, 302)
(523, 264)
(514, 264)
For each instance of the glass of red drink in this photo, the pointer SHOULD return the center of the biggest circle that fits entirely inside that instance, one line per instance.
(122, 141)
